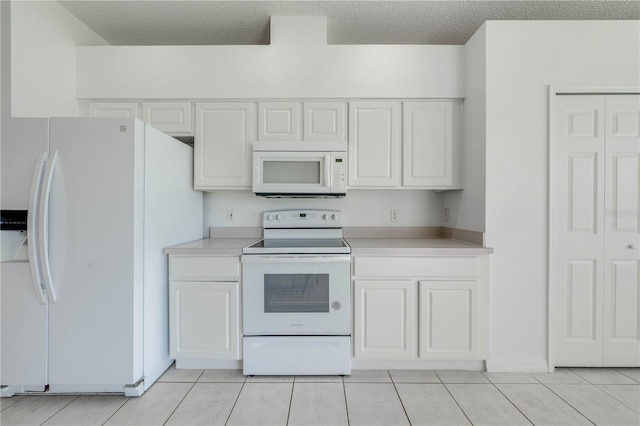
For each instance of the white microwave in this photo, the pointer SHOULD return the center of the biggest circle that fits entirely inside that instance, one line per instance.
(299, 169)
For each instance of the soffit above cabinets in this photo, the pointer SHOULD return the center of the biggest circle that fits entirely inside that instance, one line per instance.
(240, 22)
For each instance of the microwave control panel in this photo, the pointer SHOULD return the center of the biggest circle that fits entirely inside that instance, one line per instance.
(339, 170)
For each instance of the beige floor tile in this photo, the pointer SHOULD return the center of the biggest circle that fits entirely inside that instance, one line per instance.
(485, 405)
(430, 404)
(206, 404)
(603, 376)
(152, 408)
(318, 404)
(368, 376)
(8, 402)
(562, 376)
(270, 379)
(318, 379)
(262, 404)
(173, 375)
(461, 376)
(414, 376)
(541, 406)
(511, 378)
(596, 405)
(34, 410)
(374, 404)
(222, 376)
(633, 373)
(88, 410)
(629, 395)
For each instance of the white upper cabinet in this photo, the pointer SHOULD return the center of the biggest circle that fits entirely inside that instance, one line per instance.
(222, 145)
(173, 118)
(431, 148)
(112, 109)
(325, 121)
(374, 144)
(279, 121)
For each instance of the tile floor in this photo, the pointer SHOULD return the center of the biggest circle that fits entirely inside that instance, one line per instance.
(577, 396)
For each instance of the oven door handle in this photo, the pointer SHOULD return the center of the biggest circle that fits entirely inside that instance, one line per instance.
(300, 258)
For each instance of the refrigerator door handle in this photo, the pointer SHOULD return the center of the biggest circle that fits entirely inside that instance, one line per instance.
(32, 229)
(43, 227)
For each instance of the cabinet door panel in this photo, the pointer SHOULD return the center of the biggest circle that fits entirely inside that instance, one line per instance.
(374, 144)
(384, 320)
(324, 121)
(204, 320)
(427, 144)
(279, 121)
(448, 320)
(222, 145)
(169, 117)
(114, 109)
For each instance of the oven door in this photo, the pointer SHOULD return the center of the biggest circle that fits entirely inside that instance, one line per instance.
(296, 294)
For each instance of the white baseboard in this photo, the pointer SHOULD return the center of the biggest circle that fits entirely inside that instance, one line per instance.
(208, 364)
(359, 364)
(517, 366)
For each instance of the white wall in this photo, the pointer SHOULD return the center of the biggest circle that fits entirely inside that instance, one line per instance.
(298, 64)
(44, 36)
(359, 207)
(523, 58)
(467, 206)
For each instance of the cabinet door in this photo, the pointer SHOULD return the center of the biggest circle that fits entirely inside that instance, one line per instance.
(428, 154)
(222, 145)
(173, 118)
(279, 121)
(204, 320)
(324, 121)
(114, 109)
(448, 320)
(374, 144)
(384, 325)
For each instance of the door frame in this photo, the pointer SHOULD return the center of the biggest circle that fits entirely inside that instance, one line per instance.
(553, 92)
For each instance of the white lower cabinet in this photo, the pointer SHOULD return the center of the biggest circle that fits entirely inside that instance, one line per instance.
(204, 311)
(448, 318)
(385, 319)
(420, 308)
(204, 319)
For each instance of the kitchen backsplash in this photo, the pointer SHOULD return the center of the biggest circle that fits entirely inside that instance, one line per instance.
(359, 208)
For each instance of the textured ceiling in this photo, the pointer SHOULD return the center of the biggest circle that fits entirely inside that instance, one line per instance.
(185, 22)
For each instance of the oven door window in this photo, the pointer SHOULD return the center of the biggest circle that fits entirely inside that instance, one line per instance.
(285, 293)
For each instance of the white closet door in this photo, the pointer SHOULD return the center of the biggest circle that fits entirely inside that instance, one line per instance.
(579, 229)
(621, 255)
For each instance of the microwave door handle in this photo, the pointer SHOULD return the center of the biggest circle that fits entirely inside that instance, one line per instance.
(327, 165)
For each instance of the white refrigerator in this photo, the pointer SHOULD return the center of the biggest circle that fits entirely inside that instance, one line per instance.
(84, 290)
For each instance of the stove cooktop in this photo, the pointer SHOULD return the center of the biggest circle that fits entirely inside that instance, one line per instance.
(298, 245)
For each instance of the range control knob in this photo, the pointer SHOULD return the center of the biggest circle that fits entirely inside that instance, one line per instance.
(278, 217)
(334, 217)
(269, 217)
(325, 216)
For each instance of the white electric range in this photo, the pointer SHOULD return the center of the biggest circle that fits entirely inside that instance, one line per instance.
(296, 288)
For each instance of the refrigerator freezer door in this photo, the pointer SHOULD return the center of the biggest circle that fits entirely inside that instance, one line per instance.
(95, 245)
(24, 331)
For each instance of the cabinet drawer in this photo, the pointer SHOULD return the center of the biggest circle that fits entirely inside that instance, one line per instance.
(203, 268)
(416, 266)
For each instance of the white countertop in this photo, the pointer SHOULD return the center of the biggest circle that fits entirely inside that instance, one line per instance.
(212, 246)
(414, 246)
(402, 246)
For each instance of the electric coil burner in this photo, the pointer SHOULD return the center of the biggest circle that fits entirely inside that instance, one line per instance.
(297, 296)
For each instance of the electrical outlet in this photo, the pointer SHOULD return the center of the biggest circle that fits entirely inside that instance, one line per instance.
(230, 215)
(395, 215)
(447, 214)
